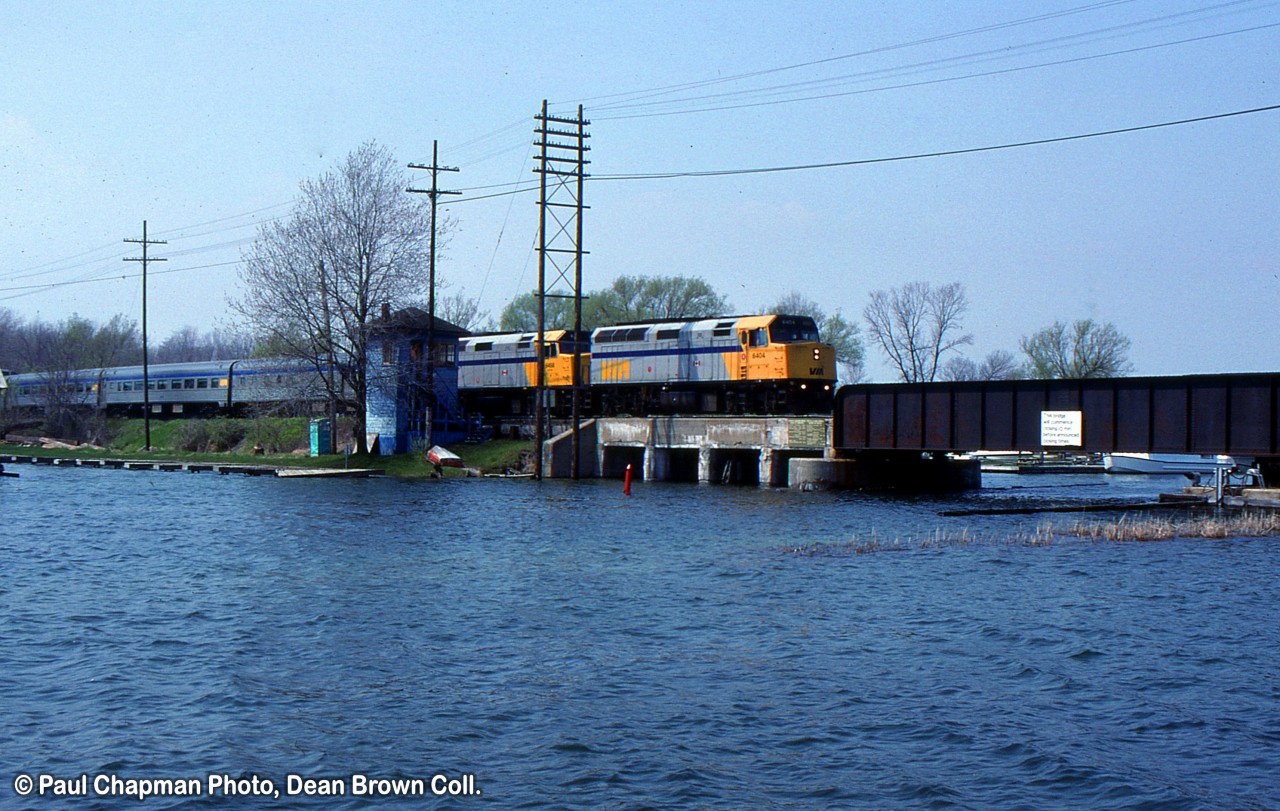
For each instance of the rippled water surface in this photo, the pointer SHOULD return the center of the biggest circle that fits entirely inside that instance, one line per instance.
(687, 647)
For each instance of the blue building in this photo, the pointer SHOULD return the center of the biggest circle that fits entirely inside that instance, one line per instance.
(413, 382)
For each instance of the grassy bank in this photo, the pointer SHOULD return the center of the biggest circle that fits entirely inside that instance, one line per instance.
(283, 442)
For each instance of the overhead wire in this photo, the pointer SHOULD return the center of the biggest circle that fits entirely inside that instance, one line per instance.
(937, 154)
(944, 80)
(715, 102)
(869, 52)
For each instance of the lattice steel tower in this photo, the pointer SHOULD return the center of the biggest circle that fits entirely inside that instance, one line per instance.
(562, 166)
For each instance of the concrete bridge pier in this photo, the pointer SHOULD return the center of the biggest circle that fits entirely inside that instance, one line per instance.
(718, 450)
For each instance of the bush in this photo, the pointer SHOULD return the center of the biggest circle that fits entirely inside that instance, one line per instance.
(225, 434)
(192, 435)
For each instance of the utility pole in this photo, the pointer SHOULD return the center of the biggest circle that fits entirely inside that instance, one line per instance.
(146, 379)
(330, 376)
(562, 169)
(432, 193)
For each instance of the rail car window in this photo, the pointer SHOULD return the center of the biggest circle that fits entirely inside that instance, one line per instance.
(202, 383)
(189, 383)
(160, 385)
(794, 329)
(607, 336)
(483, 346)
(217, 383)
(668, 334)
(759, 337)
(637, 334)
(721, 332)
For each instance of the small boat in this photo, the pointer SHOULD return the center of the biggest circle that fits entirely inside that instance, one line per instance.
(440, 457)
(1166, 463)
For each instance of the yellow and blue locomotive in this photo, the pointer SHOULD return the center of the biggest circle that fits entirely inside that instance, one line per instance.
(757, 364)
(498, 373)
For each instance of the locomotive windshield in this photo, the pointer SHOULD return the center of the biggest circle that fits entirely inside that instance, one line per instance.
(793, 329)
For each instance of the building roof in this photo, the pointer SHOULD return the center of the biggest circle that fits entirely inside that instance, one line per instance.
(415, 320)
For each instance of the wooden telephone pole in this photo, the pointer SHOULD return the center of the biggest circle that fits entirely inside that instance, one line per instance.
(146, 380)
(432, 193)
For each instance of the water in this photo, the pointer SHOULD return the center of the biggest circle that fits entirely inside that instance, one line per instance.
(573, 648)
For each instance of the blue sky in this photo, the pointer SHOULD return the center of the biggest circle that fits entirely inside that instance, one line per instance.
(204, 118)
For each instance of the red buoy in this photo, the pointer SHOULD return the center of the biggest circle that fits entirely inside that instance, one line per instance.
(626, 482)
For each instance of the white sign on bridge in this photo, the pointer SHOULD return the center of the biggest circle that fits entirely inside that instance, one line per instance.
(1061, 429)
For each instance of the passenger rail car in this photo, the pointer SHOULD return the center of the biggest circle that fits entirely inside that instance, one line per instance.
(761, 364)
(174, 388)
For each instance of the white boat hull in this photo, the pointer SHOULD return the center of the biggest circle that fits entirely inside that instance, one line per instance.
(1167, 463)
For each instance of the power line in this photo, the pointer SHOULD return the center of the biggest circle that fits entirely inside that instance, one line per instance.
(939, 154)
(883, 49)
(722, 101)
(38, 288)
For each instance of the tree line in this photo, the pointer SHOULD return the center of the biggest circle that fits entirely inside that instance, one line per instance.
(918, 327)
(33, 345)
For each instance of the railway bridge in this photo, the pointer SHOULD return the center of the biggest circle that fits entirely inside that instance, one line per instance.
(906, 434)
(1234, 414)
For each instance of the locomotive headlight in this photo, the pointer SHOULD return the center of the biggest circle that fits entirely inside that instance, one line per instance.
(804, 386)
(817, 353)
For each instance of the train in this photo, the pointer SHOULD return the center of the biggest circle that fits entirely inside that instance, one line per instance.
(751, 364)
(175, 388)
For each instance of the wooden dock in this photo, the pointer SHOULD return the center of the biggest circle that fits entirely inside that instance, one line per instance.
(172, 466)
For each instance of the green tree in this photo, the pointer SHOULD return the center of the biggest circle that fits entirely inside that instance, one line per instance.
(1083, 349)
(629, 298)
(653, 298)
(521, 315)
(844, 336)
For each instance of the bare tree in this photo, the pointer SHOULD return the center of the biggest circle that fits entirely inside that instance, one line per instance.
(182, 346)
(315, 281)
(916, 325)
(69, 358)
(189, 345)
(460, 310)
(844, 336)
(1000, 364)
(1084, 349)
(10, 340)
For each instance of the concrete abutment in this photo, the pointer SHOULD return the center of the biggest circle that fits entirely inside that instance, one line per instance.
(752, 451)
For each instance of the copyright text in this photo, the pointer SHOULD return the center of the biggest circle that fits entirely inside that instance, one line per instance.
(225, 785)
